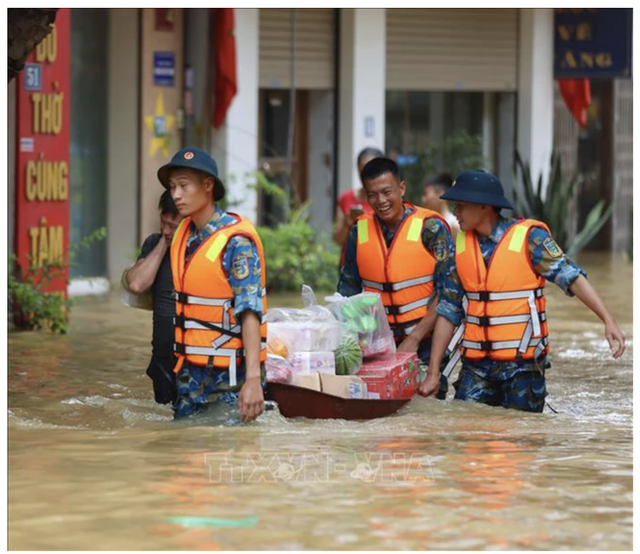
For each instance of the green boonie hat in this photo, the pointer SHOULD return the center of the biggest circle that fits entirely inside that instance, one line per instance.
(193, 158)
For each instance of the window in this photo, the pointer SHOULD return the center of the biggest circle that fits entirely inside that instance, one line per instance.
(416, 119)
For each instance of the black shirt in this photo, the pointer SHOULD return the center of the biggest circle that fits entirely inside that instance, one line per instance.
(164, 304)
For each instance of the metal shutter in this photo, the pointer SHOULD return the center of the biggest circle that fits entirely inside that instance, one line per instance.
(315, 46)
(452, 49)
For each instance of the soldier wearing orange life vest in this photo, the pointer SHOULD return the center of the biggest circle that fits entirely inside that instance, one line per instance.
(502, 266)
(403, 253)
(218, 267)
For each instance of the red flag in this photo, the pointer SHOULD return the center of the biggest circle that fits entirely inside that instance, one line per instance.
(577, 96)
(226, 84)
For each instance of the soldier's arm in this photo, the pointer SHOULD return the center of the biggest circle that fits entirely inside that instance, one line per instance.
(241, 263)
(551, 262)
(450, 314)
(442, 335)
(436, 239)
(548, 259)
(350, 282)
(588, 295)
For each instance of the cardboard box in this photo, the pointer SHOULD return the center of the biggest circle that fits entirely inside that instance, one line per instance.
(307, 381)
(313, 362)
(391, 377)
(344, 386)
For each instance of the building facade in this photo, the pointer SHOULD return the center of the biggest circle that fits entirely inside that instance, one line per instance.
(315, 86)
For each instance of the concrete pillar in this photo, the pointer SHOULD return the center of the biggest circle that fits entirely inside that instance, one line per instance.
(535, 89)
(362, 88)
(124, 118)
(235, 144)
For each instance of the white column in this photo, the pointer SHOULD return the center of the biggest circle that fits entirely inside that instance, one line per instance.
(535, 89)
(235, 144)
(362, 88)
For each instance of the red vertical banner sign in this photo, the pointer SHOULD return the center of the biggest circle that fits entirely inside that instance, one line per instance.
(42, 145)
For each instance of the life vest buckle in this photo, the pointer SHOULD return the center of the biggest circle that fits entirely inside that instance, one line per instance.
(486, 345)
(178, 321)
(483, 295)
(387, 287)
(392, 310)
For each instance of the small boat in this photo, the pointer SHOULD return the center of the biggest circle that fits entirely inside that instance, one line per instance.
(296, 401)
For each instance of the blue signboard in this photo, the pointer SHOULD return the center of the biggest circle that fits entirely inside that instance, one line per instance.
(33, 77)
(593, 43)
(164, 69)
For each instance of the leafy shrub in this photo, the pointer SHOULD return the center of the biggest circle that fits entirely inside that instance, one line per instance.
(297, 253)
(29, 303)
(552, 205)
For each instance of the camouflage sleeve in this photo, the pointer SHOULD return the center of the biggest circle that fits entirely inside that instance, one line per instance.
(241, 263)
(437, 240)
(548, 259)
(350, 282)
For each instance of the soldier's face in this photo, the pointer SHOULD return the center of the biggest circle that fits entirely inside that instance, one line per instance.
(469, 216)
(191, 192)
(385, 194)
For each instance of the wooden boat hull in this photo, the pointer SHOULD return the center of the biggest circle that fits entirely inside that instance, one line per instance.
(301, 402)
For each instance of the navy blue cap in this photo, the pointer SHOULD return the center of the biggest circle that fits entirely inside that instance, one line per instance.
(478, 187)
(193, 158)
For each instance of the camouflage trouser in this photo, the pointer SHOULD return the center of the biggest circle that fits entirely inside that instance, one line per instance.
(524, 391)
(200, 387)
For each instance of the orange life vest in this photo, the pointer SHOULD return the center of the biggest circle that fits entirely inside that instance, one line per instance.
(206, 332)
(403, 273)
(506, 318)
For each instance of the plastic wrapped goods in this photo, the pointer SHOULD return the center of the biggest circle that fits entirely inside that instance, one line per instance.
(363, 316)
(313, 362)
(278, 369)
(305, 336)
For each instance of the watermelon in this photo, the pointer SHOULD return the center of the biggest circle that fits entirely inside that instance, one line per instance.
(348, 356)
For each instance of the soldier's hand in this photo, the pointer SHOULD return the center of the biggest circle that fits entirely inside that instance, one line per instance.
(431, 384)
(251, 400)
(614, 335)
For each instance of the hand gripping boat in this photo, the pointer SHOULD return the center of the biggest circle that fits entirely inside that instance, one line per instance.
(296, 401)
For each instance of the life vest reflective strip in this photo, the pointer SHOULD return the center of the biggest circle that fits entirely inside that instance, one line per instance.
(506, 309)
(206, 332)
(401, 274)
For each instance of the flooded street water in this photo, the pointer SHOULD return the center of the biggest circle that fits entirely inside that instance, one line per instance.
(94, 463)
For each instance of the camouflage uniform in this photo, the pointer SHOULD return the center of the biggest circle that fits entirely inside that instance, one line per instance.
(200, 386)
(436, 240)
(519, 385)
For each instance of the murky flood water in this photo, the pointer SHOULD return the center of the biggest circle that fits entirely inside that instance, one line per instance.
(94, 463)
